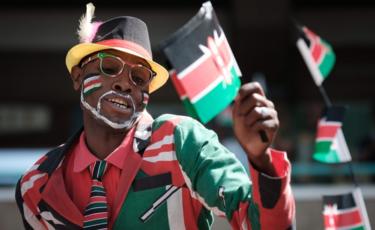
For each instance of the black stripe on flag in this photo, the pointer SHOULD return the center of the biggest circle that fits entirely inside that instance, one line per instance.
(343, 201)
(182, 47)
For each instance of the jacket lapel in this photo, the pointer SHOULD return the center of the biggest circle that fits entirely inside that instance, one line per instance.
(133, 160)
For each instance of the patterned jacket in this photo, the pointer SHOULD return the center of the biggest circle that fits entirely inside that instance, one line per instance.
(177, 176)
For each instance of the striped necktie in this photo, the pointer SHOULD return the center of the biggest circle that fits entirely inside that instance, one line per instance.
(96, 212)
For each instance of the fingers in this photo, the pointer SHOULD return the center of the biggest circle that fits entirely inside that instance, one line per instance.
(260, 114)
(270, 125)
(250, 88)
(252, 101)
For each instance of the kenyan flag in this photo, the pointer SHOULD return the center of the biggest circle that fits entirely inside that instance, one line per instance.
(345, 211)
(330, 145)
(317, 53)
(206, 72)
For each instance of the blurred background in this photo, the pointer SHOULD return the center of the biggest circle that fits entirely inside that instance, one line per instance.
(39, 108)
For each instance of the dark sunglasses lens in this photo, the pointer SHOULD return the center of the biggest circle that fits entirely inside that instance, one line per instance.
(111, 66)
(141, 75)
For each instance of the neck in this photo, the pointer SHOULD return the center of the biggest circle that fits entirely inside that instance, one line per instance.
(101, 139)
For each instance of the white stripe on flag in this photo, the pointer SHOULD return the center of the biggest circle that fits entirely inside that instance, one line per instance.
(358, 198)
(313, 68)
(166, 140)
(339, 144)
(163, 156)
(176, 211)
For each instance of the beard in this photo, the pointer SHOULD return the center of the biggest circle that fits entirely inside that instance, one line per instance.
(99, 115)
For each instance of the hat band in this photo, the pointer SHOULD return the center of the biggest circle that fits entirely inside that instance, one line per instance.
(127, 45)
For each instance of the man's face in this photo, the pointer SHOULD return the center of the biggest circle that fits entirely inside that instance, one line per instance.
(113, 88)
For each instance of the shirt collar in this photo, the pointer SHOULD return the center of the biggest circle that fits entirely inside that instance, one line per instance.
(83, 157)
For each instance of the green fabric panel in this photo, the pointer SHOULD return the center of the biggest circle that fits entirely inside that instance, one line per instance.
(254, 216)
(135, 205)
(209, 166)
(205, 219)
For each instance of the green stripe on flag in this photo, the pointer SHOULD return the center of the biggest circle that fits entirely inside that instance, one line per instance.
(330, 157)
(328, 61)
(323, 146)
(216, 100)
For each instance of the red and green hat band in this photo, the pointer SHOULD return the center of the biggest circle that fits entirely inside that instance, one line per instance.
(123, 44)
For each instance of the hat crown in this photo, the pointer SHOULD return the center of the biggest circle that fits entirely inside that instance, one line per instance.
(124, 28)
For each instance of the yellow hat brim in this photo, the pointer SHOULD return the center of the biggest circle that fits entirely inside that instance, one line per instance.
(77, 52)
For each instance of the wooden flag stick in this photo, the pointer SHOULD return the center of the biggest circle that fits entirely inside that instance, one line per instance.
(326, 99)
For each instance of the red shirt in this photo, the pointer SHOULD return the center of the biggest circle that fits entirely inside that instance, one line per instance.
(77, 176)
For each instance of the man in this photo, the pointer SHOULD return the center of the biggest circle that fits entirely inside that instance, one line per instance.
(124, 170)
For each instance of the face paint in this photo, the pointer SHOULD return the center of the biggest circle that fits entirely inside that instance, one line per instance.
(96, 112)
(91, 84)
(146, 97)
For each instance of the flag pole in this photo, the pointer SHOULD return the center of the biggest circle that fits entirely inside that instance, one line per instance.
(326, 99)
(328, 103)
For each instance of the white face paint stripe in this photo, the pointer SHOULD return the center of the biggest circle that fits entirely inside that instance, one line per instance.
(96, 112)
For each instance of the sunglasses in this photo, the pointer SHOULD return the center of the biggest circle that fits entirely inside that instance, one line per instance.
(112, 66)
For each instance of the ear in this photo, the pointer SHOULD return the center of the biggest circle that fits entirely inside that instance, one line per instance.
(76, 76)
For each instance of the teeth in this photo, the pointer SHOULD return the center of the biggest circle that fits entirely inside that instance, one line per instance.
(118, 102)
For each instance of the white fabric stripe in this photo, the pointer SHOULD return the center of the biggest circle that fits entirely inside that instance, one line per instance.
(166, 140)
(25, 186)
(358, 198)
(216, 82)
(163, 156)
(31, 218)
(176, 211)
(305, 52)
(159, 201)
(323, 122)
(196, 195)
(48, 216)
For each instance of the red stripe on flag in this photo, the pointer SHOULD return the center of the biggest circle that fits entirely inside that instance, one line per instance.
(317, 51)
(327, 131)
(199, 78)
(177, 84)
(332, 220)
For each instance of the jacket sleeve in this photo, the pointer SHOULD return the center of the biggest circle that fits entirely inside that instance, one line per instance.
(221, 183)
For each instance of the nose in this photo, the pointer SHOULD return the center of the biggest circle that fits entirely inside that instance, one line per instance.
(122, 83)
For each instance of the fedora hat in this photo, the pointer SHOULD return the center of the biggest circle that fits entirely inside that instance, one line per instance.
(126, 34)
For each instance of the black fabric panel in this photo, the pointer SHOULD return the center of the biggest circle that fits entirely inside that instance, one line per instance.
(270, 190)
(152, 182)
